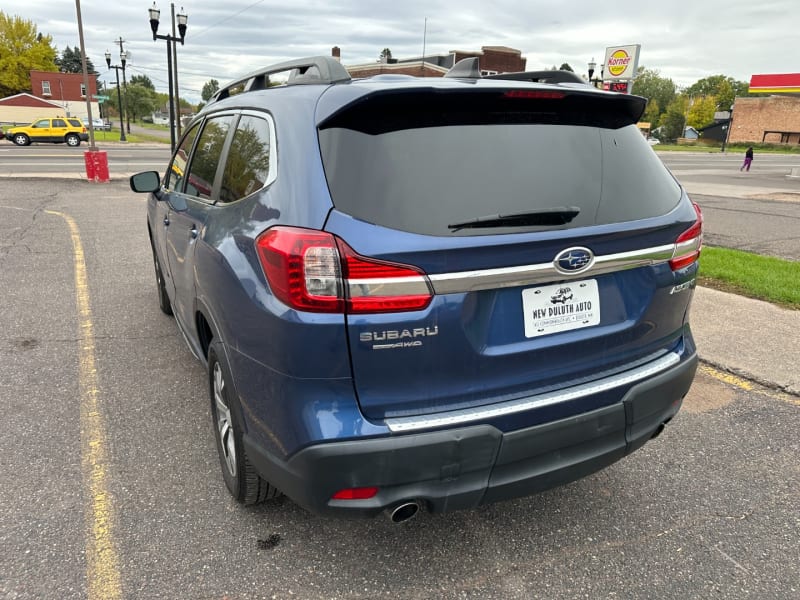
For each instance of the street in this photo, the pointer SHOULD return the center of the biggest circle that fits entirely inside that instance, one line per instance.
(112, 489)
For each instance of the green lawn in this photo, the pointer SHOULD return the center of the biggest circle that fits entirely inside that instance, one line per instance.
(752, 275)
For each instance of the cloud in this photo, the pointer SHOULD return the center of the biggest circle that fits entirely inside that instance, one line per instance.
(685, 42)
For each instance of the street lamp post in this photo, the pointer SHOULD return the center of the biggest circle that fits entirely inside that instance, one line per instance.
(592, 66)
(172, 57)
(123, 58)
(124, 84)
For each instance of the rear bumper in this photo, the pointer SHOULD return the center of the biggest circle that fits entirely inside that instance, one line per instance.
(469, 466)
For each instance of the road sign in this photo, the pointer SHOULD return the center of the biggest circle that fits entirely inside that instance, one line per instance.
(100, 98)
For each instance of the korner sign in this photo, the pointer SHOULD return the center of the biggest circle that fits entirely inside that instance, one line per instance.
(621, 63)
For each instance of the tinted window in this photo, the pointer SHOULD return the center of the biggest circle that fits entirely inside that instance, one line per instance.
(247, 166)
(206, 157)
(421, 180)
(59, 123)
(178, 166)
(76, 123)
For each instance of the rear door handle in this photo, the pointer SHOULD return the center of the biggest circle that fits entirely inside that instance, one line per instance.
(166, 221)
(193, 232)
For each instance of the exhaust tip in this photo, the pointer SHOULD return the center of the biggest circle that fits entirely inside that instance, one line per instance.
(404, 512)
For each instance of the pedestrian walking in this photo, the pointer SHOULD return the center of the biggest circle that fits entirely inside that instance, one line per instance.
(748, 158)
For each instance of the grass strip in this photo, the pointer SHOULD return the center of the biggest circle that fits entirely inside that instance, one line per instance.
(763, 277)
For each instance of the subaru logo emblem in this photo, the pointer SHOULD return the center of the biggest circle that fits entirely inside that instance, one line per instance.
(573, 260)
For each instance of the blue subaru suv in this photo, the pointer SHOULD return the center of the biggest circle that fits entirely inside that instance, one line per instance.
(374, 272)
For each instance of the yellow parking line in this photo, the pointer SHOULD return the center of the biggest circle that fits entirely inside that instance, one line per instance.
(726, 377)
(743, 384)
(102, 571)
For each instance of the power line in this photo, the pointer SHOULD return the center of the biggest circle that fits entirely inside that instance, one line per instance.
(230, 17)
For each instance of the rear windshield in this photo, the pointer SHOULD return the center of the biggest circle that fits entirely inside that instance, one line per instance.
(424, 179)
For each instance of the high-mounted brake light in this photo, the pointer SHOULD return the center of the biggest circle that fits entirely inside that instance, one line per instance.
(314, 271)
(535, 94)
(361, 493)
(689, 243)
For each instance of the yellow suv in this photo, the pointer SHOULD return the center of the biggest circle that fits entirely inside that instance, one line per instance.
(57, 130)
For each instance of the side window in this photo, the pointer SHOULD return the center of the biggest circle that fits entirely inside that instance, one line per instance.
(42, 123)
(206, 157)
(75, 123)
(59, 123)
(178, 167)
(247, 167)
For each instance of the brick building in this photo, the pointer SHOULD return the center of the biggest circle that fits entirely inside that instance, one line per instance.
(493, 59)
(775, 119)
(65, 89)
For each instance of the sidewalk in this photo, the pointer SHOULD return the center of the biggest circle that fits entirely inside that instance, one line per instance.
(750, 338)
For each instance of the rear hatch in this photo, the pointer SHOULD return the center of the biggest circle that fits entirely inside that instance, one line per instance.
(540, 222)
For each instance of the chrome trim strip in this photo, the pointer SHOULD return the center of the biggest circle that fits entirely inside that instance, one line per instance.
(482, 413)
(387, 286)
(471, 281)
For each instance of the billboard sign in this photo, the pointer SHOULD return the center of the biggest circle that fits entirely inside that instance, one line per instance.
(621, 63)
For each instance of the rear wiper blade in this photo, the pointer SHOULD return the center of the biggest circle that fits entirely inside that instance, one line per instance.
(560, 215)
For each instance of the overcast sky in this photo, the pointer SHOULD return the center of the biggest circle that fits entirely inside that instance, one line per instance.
(685, 41)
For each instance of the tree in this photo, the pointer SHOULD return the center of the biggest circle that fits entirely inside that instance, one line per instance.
(650, 84)
(566, 67)
(652, 113)
(140, 100)
(673, 120)
(386, 55)
(726, 89)
(209, 89)
(142, 80)
(701, 112)
(71, 61)
(22, 49)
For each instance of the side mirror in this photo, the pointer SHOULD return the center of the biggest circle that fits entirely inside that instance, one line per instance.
(148, 182)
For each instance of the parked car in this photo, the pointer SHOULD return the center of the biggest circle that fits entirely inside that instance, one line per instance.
(367, 269)
(58, 130)
(2, 133)
(98, 124)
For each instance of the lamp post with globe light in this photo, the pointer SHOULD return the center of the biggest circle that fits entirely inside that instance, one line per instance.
(123, 57)
(172, 58)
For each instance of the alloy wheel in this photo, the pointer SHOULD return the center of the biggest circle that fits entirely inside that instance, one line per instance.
(224, 423)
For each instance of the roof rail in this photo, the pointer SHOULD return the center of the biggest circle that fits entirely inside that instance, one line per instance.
(541, 77)
(314, 69)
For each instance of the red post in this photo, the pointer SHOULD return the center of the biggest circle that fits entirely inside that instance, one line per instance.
(96, 166)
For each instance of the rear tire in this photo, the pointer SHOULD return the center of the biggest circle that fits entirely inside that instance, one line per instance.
(241, 478)
(73, 140)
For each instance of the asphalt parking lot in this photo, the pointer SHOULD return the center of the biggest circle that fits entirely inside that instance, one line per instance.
(111, 486)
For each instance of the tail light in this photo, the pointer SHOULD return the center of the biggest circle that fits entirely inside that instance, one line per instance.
(688, 244)
(315, 271)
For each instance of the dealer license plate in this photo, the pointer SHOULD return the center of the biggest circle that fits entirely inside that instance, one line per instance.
(563, 307)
